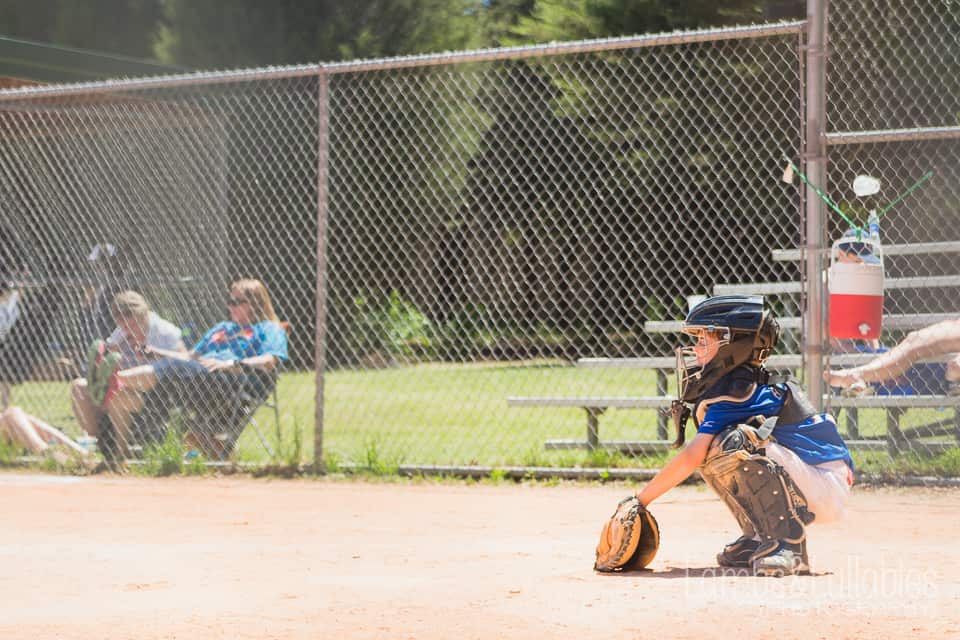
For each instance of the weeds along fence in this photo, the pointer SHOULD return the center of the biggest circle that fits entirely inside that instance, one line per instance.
(445, 232)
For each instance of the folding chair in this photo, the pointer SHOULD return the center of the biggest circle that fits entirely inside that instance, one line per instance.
(217, 432)
(219, 443)
(213, 423)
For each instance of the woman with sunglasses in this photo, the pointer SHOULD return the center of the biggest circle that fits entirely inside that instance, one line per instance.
(235, 354)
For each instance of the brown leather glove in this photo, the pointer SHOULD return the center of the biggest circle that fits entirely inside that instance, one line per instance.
(629, 540)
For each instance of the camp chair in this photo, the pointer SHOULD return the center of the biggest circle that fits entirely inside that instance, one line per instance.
(214, 429)
(212, 423)
(217, 433)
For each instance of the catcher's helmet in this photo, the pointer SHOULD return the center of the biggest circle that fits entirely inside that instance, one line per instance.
(748, 333)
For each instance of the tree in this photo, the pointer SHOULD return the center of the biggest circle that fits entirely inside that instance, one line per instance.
(497, 18)
(27, 19)
(558, 20)
(125, 28)
(247, 33)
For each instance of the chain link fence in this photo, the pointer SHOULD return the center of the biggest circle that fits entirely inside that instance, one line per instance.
(173, 189)
(893, 110)
(507, 238)
(493, 223)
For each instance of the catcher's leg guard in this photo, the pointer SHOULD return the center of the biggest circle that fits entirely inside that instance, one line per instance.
(761, 496)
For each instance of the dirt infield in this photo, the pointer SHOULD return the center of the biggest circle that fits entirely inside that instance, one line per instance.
(248, 558)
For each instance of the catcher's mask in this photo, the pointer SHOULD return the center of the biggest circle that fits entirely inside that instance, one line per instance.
(731, 331)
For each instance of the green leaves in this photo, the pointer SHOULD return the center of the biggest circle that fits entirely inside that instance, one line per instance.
(251, 33)
(246, 33)
(560, 20)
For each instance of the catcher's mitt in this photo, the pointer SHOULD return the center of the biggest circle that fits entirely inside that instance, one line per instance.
(630, 538)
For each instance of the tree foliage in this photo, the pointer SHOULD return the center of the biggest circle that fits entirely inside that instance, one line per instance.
(126, 27)
(202, 34)
(251, 33)
(558, 20)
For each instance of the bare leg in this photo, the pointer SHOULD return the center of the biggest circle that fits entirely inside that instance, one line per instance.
(121, 409)
(127, 401)
(88, 415)
(141, 378)
(50, 433)
(940, 338)
(16, 425)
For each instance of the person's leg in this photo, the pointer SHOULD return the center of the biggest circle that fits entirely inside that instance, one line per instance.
(86, 413)
(136, 379)
(205, 395)
(51, 434)
(768, 505)
(825, 487)
(124, 404)
(936, 339)
(16, 426)
(142, 378)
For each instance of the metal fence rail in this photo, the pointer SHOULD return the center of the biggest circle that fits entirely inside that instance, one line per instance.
(443, 233)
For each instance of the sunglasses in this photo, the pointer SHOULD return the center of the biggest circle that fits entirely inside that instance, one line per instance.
(236, 302)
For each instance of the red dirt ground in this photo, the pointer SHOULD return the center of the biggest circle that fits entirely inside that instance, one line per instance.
(110, 557)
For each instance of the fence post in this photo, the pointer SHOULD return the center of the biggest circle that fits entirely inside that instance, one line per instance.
(816, 72)
(320, 347)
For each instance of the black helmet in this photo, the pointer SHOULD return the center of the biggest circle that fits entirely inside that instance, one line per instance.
(748, 334)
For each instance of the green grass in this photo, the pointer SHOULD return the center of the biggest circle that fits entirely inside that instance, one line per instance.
(457, 414)
(946, 464)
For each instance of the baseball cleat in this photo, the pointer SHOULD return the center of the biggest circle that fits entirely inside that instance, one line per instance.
(788, 560)
(738, 552)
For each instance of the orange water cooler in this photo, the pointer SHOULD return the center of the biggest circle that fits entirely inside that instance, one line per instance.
(856, 291)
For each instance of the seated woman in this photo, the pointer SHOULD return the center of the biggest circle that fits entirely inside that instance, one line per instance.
(232, 356)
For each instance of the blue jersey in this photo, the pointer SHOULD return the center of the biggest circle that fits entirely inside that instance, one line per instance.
(229, 340)
(815, 440)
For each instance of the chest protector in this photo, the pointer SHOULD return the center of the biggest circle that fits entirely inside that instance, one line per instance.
(739, 384)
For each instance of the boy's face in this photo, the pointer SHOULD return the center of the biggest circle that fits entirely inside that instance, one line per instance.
(708, 344)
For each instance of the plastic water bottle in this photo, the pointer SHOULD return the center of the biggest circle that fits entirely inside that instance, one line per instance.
(873, 226)
(88, 442)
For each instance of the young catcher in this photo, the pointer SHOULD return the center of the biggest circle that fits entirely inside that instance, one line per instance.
(775, 462)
